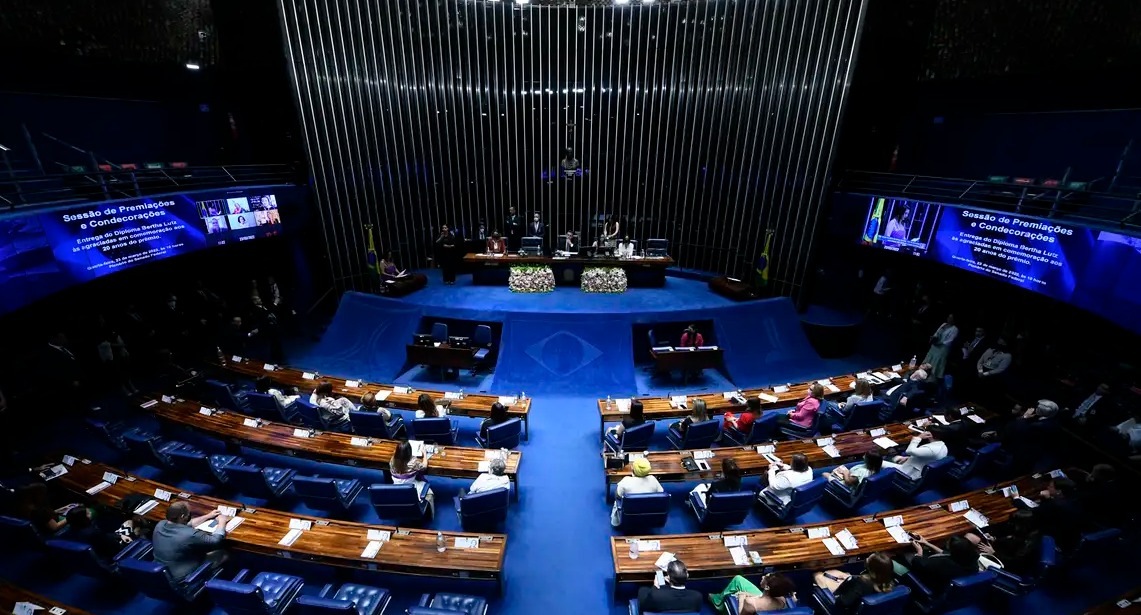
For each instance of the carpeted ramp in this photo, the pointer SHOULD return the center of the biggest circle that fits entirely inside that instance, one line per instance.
(366, 338)
(764, 343)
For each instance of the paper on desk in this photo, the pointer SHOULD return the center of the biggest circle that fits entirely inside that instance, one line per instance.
(781, 389)
(707, 347)
(371, 549)
(417, 447)
(847, 539)
(250, 422)
(875, 433)
(352, 384)
(382, 395)
(664, 560)
(679, 399)
(452, 395)
(300, 433)
(300, 524)
(976, 418)
(379, 535)
(149, 404)
(507, 400)
(977, 518)
(852, 384)
(290, 538)
(623, 405)
(824, 441)
(56, 471)
(831, 450)
(1010, 491)
(269, 367)
(649, 545)
(960, 506)
(862, 375)
(765, 397)
(893, 521)
(899, 534)
(463, 542)
(1028, 502)
(832, 388)
(886, 377)
(212, 524)
(308, 376)
(942, 419)
(833, 546)
(736, 541)
(766, 448)
(885, 442)
(773, 458)
(162, 494)
(357, 441)
(819, 532)
(26, 608)
(740, 557)
(146, 507)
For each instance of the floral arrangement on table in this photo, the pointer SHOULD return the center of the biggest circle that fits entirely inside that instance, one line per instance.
(531, 279)
(604, 280)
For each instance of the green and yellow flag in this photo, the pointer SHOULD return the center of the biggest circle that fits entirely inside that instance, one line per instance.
(763, 261)
(370, 256)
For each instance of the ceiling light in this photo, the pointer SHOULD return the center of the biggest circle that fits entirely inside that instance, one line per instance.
(192, 66)
(621, 1)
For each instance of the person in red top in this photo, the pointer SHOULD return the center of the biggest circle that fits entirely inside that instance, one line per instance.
(691, 338)
(805, 412)
(496, 245)
(744, 422)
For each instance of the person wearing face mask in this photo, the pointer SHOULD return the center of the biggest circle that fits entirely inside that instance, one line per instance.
(514, 225)
(536, 228)
(446, 254)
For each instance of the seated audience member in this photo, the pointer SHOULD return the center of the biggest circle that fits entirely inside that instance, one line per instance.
(744, 422)
(1014, 543)
(670, 596)
(494, 478)
(32, 505)
(697, 414)
(1094, 410)
(691, 338)
(1060, 513)
(1130, 433)
(1099, 492)
(181, 548)
(923, 449)
(783, 478)
(641, 481)
(805, 411)
(80, 528)
(496, 245)
(388, 266)
(625, 248)
(850, 589)
(334, 411)
(498, 415)
(370, 404)
(265, 385)
(426, 408)
(912, 394)
(836, 412)
(772, 594)
(405, 469)
(994, 362)
(730, 481)
(570, 244)
(636, 417)
(935, 567)
(870, 466)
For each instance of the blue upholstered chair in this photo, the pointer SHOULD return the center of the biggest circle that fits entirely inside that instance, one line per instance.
(19, 534)
(150, 448)
(803, 499)
(306, 414)
(481, 340)
(979, 459)
(931, 474)
(449, 604)
(80, 558)
(326, 493)
(636, 609)
(699, 435)
(153, 580)
(961, 593)
(373, 425)
(199, 466)
(643, 511)
(440, 332)
(634, 439)
(267, 593)
(1090, 544)
(267, 407)
(259, 482)
(400, 502)
(110, 431)
(504, 435)
(485, 511)
(887, 603)
(225, 396)
(868, 490)
(762, 430)
(349, 599)
(1021, 584)
(436, 430)
(792, 431)
(733, 607)
(864, 414)
(720, 510)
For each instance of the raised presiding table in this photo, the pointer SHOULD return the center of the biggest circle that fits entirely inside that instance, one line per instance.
(326, 541)
(1128, 603)
(659, 408)
(243, 430)
(442, 355)
(489, 269)
(760, 551)
(396, 397)
(686, 359)
(11, 596)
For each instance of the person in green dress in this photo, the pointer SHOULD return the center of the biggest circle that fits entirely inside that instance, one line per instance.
(774, 592)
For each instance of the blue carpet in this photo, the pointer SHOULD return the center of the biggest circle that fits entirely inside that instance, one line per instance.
(365, 340)
(651, 384)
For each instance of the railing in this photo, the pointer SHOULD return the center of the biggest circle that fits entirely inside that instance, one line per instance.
(1085, 206)
(23, 191)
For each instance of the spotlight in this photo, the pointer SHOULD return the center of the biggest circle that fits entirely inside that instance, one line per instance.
(192, 66)
(522, 1)
(621, 1)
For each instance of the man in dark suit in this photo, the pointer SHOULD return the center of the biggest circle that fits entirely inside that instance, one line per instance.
(1095, 410)
(936, 567)
(964, 361)
(1060, 513)
(514, 225)
(670, 596)
(536, 228)
(914, 394)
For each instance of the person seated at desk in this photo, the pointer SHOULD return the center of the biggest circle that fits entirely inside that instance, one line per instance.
(1061, 513)
(496, 245)
(870, 466)
(743, 422)
(805, 412)
(670, 596)
(568, 244)
(80, 528)
(640, 481)
(771, 594)
(498, 415)
(264, 385)
(1015, 543)
(924, 448)
(494, 478)
(334, 411)
(782, 478)
(388, 267)
(730, 481)
(698, 412)
(32, 505)
(936, 567)
(913, 393)
(850, 589)
(836, 412)
(369, 404)
(626, 248)
(406, 469)
(1129, 433)
(181, 548)
(427, 409)
(636, 417)
(691, 337)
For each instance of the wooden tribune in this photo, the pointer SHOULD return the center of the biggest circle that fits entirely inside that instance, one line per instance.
(511, 260)
(441, 356)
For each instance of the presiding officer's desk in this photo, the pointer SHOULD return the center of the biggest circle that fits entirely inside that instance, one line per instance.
(789, 547)
(328, 446)
(851, 446)
(659, 408)
(441, 355)
(402, 398)
(686, 359)
(11, 595)
(489, 269)
(328, 541)
(1128, 603)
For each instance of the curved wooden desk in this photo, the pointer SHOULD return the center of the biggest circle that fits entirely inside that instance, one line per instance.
(471, 405)
(789, 547)
(10, 595)
(660, 408)
(1128, 603)
(330, 446)
(329, 541)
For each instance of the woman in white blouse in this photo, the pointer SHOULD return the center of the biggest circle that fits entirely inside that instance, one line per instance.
(426, 408)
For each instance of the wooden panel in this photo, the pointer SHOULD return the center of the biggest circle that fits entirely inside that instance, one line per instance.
(10, 595)
(441, 356)
(333, 542)
(663, 262)
(1113, 607)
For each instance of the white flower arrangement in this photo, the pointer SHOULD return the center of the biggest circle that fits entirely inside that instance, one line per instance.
(604, 280)
(531, 279)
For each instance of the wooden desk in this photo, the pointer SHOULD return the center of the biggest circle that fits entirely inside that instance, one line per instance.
(441, 356)
(660, 408)
(471, 405)
(10, 595)
(1113, 607)
(649, 271)
(784, 548)
(667, 465)
(687, 360)
(406, 285)
(331, 542)
(330, 446)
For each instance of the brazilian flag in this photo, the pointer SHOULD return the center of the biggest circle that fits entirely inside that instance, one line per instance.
(763, 262)
(370, 256)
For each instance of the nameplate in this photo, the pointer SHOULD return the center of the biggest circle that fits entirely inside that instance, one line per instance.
(893, 521)
(236, 359)
(452, 395)
(69, 460)
(229, 511)
(875, 433)
(402, 390)
(464, 542)
(780, 389)
(269, 367)
(250, 423)
(403, 532)
(352, 384)
(300, 524)
(380, 535)
(109, 477)
(300, 433)
(167, 399)
(819, 532)
(308, 376)
(934, 506)
(795, 530)
(321, 522)
(163, 495)
(149, 404)
(184, 495)
(355, 441)
(824, 441)
(736, 541)
(766, 448)
(206, 411)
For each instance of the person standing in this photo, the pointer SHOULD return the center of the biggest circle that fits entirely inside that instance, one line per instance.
(446, 254)
(514, 226)
(536, 228)
(940, 348)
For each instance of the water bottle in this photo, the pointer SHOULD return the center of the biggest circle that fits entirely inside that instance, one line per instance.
(441, 545)
(609, 403)
(912, 363)
(461, 392)
(633, 549)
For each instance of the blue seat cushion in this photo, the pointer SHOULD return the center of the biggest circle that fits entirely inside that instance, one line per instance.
(367, 599)
(276, 587)
(276, 476)
(346, 486)
(481, 354)
(174, 445)
(612, 440)
(695, 501)
(471, 605)
(218, 462)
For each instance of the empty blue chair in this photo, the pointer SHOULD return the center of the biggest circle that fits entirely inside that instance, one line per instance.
(961, 593)
(401, 502)
(803, 499)
(326, 493)
(504, 435)
(481, 340)
(80, 558)
(436, 430)
(225, 396)
(373, 425)
(19, 534)
(932, 473)
(350, 599)
(267, 593)
(153, 580)
(636, 438)
(110, 431)
(720, 510)
(793, 431)
(1012, 584)
(762, 430)
(699, 435)
(258, 482)
(636, 609)
(483, 511)
(868, 490)
(306, 414)
(200, 466)
(267, 407)
(1091, 543)
(652, 338)
(888, 603)
(449, 604)
(979, 459)
(150, 448)
(864, 414)
(643, 511)
(440, 332)
(733, 607)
